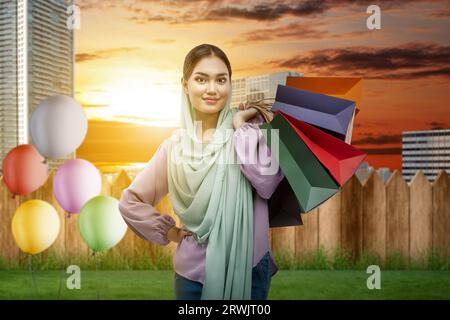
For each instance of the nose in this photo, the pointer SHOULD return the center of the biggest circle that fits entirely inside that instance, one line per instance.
(211, 88)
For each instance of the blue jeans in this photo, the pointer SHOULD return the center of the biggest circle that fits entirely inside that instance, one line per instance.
(186, 289)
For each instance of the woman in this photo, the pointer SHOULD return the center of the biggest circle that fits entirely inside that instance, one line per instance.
(223, 249)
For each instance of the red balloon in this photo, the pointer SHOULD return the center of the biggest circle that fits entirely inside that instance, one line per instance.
(24, 170)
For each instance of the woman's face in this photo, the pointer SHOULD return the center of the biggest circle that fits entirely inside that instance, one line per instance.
(208, 86)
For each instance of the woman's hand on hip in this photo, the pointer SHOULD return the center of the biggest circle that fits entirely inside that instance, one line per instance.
(176, 234)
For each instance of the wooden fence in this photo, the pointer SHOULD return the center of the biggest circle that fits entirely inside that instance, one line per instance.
(410, 219)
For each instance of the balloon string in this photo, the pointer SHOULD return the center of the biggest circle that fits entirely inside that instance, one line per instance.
(33, 279)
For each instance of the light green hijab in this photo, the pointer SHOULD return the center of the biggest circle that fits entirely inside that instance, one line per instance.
(213, 199)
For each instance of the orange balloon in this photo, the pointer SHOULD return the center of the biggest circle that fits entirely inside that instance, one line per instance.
(24, 170)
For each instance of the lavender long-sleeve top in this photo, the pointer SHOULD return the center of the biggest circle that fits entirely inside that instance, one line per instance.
(138, 201)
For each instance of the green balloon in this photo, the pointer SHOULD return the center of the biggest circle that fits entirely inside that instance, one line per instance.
(101, 224)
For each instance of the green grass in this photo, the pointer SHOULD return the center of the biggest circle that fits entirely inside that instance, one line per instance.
(106, 260)
(160, 260)
(316, 275)
(286, 284)
(348, 284)
(340, 259)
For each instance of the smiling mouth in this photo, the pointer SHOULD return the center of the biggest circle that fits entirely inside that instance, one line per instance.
(210, 101)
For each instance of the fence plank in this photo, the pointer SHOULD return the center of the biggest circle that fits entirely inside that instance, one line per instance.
(75, 246)
(126, 245)
(441, 213)
(45, 193)
(397, 215)
(330, 224)
(370, 217)
(165, 207)
(22, 199)
(351, 217)
(374, 216)
(283, 241)
(106, 186)
(307, 235)
(421, 214)
(120, 183)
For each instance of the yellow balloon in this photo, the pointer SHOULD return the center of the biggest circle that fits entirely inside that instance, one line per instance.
(35, 226)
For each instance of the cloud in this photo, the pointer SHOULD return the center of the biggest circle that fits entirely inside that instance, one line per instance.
(444, 72)
(102, 54)
(380, 151)
(295, 31)
(265, 12)
(196, 11)
(441, 14)
(407, 61)
(381, 139)
(421, 30)
(164, 41)
(292, 30)
(95, 4)
(102, 4)
(435, 125)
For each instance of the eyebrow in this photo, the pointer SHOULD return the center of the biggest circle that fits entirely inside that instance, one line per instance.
(204, 74)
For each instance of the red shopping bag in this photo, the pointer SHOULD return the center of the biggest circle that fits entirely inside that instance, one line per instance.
(339, 158)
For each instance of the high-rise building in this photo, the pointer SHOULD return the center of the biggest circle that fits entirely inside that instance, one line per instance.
(259, 87)
(36, 61)
(364, 170)
(384, 173)
(428, 151)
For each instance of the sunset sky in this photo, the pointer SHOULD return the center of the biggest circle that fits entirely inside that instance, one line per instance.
(129, 59)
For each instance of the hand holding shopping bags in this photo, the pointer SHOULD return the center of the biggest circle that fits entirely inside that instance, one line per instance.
(306, 136)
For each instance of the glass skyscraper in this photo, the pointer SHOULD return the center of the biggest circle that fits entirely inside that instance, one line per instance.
(428, 151)
(36, 61)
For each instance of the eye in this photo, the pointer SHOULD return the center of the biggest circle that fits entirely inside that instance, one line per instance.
(222, 80)
(198, 79)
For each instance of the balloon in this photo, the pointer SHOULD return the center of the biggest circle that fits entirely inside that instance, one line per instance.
(58, 126)
(101, 224)
(24, 170)
(76, 181)
(35, 226)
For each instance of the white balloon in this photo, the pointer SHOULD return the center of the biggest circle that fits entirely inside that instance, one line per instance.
(58, 126)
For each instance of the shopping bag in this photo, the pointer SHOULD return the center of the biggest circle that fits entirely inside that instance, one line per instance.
(310, 181)
(284, 209)
(341, 159)
(349, 88)
(330, 114)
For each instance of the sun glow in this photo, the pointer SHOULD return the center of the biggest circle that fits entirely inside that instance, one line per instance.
(134, 101)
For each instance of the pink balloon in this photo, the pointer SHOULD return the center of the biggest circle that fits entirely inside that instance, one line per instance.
(76, 181)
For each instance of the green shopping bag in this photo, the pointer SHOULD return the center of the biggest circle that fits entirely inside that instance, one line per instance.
(308, 178)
